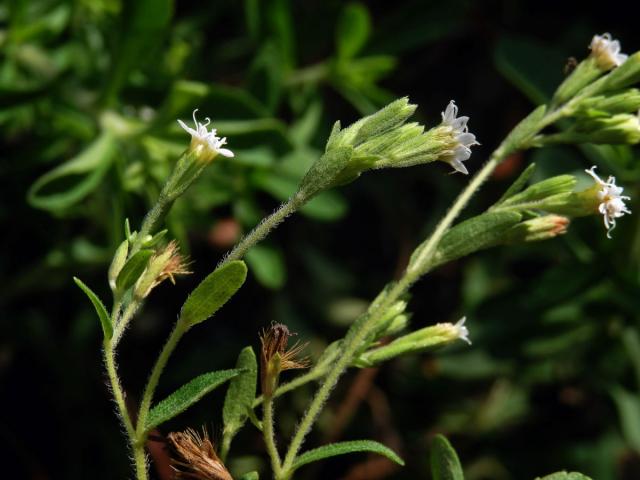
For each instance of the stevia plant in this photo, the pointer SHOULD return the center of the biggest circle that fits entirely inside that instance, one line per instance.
(595, 104)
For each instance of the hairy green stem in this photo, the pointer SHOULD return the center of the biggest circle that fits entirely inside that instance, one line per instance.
(353, 342)
(263, 229)
(310, 376)
(124, 320)
(151, 220)
(161, 362)
(269, 437)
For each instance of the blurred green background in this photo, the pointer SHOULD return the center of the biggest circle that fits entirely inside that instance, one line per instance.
(89, 94)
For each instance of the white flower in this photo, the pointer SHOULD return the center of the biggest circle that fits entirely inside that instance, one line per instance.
(606, 51)
(201, 137)
(612, 201)
(462, 331)
(463, 140)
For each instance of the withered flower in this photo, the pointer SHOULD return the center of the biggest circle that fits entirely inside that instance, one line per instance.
(196, 457)
(164, 264)
(275, 358)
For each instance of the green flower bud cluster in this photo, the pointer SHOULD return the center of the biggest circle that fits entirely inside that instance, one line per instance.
(385, 140)
(598, 97)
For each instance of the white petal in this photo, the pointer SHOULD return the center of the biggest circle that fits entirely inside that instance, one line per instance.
(459, 166)
(226, 152)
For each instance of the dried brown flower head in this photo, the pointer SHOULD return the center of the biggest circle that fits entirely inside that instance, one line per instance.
(195, 457)
(165, 264)
(275, 358)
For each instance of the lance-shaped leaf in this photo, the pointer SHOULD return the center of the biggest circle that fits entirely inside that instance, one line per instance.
(475, 234)
(565, 476)
(186, 396)
(241, 393)
(445, 464)
(213, 292)
(132, 270)
(343, 448)
(105, 321)
(519, 184)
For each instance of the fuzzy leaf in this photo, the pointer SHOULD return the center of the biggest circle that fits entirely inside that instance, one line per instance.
(564, 476)
(519, 184)
(213, 292)
(186, 396)
(241, 392)
(445, 464)
(343, 448)
(475, 234)
(132, 270)
(525, 130)
(105, 321)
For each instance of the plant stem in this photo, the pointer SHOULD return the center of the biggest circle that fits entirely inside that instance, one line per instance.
(161, 362)
(121, 326)
(352, 343)
(151, 220)
(269, 437)
(140, 459)
(263, 229)
(293, 384)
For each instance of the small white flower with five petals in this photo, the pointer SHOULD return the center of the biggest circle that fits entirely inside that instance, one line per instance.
(462, 331)
(206, 142)
(606, 51)
(612, 204)
(463, 139)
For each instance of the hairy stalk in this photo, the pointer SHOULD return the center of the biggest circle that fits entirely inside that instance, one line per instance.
(139, 456)
(161, 362)
(152, 219)
(269, 437)
(263, 229)
(293, 384)
(352, 342)
(124, 320)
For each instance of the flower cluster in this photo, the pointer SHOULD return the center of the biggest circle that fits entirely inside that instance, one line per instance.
(205, 143)
(606, 51)
(612, 204)
(463, 140)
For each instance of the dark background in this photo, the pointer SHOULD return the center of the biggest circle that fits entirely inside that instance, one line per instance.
(551, 380)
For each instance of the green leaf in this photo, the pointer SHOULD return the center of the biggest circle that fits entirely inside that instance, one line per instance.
(241, 392)
(250, 476)
(525, 130)
(519, 184)
(267, 264)
(353, 30)
(141, 29)
(445, 464)
(70, 182)
(628, 405)
(475, 234)
(186, 396)
(105, 321)
(327, 206)
(213, 292)
(565, 476)
(343, 448)
(133, 269)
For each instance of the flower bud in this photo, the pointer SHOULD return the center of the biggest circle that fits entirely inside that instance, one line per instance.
(605, 55)
(605, 105)
(625, 75)
(163, 265)
(622, 128)
(430, 337)
(119, 259)
(537, 229)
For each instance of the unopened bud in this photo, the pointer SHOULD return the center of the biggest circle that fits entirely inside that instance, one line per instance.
(164, 264)
(606, 105)
(537, 229)
(119, 259)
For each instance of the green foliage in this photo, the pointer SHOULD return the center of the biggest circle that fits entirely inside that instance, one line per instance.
(241, 392)
(565, 476)
(213, 292)
(187, 395)
(343, 448)
(132, 269)
(445, 464)
(103, 316)
(267, 264)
